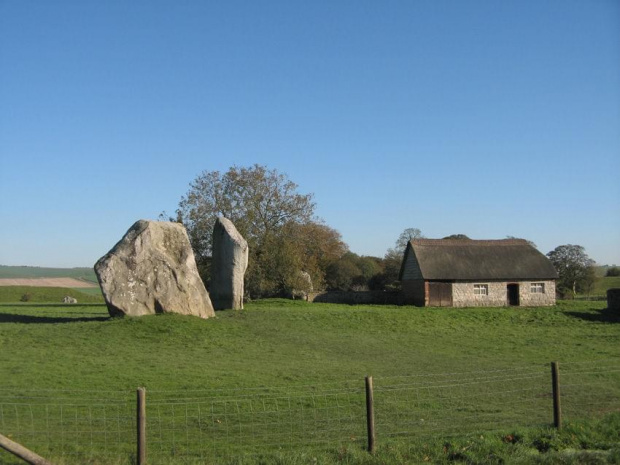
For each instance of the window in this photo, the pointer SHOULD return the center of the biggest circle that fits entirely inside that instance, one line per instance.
(481, 289)
(537, 288)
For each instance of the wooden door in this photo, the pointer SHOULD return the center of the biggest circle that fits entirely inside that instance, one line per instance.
(439, 294)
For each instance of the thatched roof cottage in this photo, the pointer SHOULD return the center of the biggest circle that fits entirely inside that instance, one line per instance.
(475, 273)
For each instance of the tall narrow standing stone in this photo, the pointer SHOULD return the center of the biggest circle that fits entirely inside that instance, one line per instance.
(228, 265)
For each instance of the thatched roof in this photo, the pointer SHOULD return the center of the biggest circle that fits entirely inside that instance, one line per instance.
(507, 259)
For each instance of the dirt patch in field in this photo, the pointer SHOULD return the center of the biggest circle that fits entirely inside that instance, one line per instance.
(46, 282)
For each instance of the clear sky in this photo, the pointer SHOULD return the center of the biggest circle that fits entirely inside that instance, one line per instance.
(486, 118)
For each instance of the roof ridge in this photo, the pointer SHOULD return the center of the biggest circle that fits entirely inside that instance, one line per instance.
(469, 242)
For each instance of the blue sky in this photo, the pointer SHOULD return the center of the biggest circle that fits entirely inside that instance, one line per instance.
(487, 118)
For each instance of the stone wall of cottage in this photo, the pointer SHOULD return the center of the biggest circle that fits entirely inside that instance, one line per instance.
(463, 294)
(529, 299)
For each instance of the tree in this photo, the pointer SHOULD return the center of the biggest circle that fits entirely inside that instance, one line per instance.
(353, 272)
(277, 221)
(310, 247)
(573, 267)
(394, 257)
(406, 236)
(586, 284)
(613, 271)
(458, 237)
(343, 274)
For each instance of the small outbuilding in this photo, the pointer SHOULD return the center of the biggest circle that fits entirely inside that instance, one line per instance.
(476, 273)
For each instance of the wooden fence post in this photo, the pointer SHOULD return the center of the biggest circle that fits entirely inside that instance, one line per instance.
(370, 415)
(21, 452)
(141, 423)
(557, 407)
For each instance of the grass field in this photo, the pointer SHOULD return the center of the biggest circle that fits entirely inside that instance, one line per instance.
(604, 283)
(86, 274)
(33, 295)
(286, 373)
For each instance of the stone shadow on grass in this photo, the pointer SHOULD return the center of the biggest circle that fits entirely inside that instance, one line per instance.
(597, 315)
(36, 319)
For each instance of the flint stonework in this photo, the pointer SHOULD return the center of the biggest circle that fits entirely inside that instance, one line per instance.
(151, 270)
(229, 262)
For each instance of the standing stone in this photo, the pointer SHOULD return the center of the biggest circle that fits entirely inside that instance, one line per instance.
(229, 262)
(302, 286)
(152, 270)
(613, 299)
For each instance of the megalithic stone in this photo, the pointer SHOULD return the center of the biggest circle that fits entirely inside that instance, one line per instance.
(228, 265)
(152, 269)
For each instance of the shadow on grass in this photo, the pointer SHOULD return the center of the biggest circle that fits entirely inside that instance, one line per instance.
(601, 316)
(12, 318)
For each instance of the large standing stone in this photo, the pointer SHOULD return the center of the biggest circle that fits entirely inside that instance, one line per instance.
(229, 262)
(152, 270)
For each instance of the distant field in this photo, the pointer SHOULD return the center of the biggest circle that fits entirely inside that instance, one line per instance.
(47, 282)
(85, 274)
(31, 295)
(602, 284)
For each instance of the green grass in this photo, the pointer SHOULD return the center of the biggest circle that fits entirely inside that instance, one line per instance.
(32, 294)
(280, 341)
(602, 284)
(86, 274)
(256, 363)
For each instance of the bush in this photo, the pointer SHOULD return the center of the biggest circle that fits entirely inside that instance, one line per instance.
(613, 271)
(26, 298)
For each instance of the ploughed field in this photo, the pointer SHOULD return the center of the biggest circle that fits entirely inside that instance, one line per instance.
(285, 376)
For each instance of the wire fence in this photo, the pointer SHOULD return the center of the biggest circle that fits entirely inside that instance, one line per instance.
(212, 426)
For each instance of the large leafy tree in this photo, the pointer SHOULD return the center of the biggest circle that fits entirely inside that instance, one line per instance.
(574, 267)
(278, 222)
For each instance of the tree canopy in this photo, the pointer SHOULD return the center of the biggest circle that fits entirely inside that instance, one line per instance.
(406, 236)
(278, 222)
(574, 267)
(394, 257)
(459, 237)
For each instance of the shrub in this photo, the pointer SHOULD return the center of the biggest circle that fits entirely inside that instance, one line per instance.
(613, 271)
(26, 298)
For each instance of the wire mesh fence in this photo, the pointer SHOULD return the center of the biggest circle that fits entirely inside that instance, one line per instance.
(590, 389)
(456, 403)
(76, 425)
(224, 426)
(212, 426)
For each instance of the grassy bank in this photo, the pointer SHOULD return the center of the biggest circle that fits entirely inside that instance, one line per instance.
(281, 341)
(283, 373)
